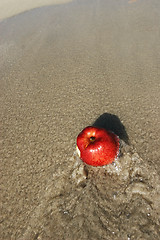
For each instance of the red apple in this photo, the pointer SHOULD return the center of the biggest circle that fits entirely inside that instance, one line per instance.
(97, 146)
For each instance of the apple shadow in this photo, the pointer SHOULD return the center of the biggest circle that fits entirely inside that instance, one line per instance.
(112, 123)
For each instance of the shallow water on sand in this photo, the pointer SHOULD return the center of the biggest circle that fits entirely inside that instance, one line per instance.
(61, 69)
(118, 201)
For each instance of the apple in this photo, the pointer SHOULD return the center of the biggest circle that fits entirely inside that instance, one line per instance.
(97, 146)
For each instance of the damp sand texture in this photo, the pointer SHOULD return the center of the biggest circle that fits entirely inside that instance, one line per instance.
(61, 68)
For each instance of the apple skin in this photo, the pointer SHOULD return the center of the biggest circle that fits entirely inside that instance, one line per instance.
(97, 146)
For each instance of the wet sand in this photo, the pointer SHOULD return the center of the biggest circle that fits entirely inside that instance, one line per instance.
(61, 68)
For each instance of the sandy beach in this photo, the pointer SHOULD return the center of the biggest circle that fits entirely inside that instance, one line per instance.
(11, 8)
(62, 67)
